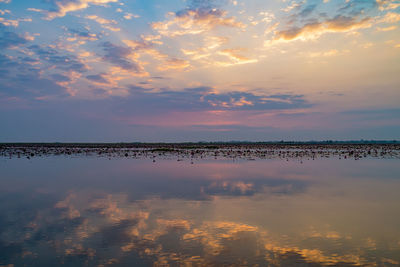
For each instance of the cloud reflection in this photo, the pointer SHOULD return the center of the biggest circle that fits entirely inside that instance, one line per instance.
(270, 213)
(147, 231)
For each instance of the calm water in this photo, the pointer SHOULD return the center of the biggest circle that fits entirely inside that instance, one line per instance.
(127, 212)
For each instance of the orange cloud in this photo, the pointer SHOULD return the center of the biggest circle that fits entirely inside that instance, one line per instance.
(235, 56)
(105, 23)
(146, 46)
(386, 29)
(315, 29)
(63, 7)
(175, 63)
(390, 17)
(13, 22)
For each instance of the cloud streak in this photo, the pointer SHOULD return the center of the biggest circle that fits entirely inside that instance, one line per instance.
(62, 7)
(313, 30)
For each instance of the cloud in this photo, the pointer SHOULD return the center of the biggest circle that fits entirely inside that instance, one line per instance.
(60, 78)
(105, 23)
(293, 6)
(50, 71)
(388, 4)
(386, 29)
(13, 22)
(350, 16)
(119, 56)
(129, 16)
(98, 78)
(21, 79)
(357, 7)
(236, 57)
(57, 59)
(62, 7)
(390, 17)
(195, 21)
(35, 9)
(313, 30)
(6, 63)
(146, 44)
(124, 59)
(324, 53)
(11, 39)
(208, 4)
(199, 18)
(307, 10)
(83, 35)
(210, 53)
(343, 23)
(175, 64)
(207, 99)
(143, 44)
(4, 11)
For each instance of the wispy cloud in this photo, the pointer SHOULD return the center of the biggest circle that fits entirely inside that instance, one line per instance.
(62, 7)
(105, 23)
(313, 30)
(195, 21)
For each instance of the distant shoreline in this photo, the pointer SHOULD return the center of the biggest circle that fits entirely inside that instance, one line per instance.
(200, 143)
(195, 151)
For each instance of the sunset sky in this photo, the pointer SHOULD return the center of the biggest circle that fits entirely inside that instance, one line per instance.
(199, 70)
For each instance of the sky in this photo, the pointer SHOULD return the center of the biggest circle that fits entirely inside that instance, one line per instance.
(199, 70)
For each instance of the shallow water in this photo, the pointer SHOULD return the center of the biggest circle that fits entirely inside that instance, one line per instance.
(90, 211)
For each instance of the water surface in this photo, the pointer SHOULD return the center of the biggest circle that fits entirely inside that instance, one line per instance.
(93, 211)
